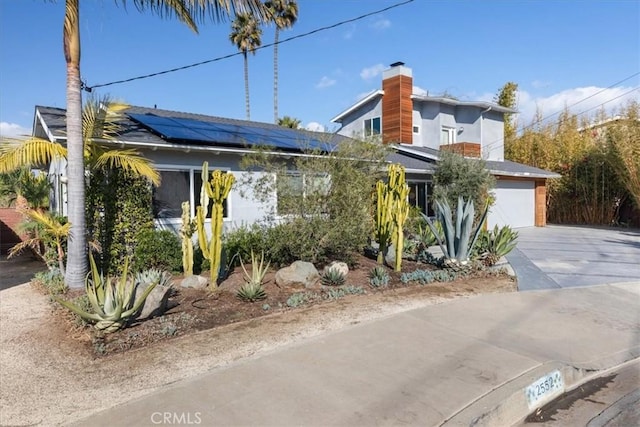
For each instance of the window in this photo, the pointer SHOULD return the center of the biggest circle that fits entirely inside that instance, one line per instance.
(295, 189)
(372, 126)
(416, 129)
(420, 196)
(447, 135)
(178, 186)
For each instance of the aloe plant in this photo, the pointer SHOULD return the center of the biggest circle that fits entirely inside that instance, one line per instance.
(113, 300)
(252, 290)
(459, 234)
(496, 243)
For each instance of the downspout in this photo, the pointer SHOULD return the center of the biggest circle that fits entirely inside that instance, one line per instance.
(482, 130)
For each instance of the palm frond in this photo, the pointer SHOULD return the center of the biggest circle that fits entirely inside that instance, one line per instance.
(49, 223)
(101, 118)
(129, 160)
(17, 153)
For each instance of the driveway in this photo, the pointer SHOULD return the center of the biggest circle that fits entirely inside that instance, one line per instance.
(18, 270)
(569, 256)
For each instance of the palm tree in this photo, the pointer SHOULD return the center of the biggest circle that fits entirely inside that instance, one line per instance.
(283, 13)
(289, 122)
(25, 189)
(187, 11)
(246, 34)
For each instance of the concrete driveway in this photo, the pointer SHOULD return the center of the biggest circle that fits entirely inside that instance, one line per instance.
(569, 256)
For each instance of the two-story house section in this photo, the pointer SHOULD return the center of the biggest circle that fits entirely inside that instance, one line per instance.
(419, 126)
(474, 129)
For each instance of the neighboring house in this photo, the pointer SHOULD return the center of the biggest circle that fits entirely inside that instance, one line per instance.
(420, 126)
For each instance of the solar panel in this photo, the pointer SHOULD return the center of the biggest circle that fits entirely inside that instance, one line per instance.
(179, 129)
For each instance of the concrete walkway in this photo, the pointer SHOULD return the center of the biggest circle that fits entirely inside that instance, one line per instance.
(450, 364)
(566, 256)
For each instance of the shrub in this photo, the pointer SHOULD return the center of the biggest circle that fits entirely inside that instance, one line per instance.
(244, 240)
(52, 280)
(159, 249)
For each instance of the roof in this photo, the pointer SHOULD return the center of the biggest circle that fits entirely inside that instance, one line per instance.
(158, 128)
(425, 98)
(371, 96)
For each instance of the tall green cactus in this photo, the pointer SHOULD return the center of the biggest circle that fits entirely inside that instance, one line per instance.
(217, 190)
(400, 209)
(186, 233)
(392, 210)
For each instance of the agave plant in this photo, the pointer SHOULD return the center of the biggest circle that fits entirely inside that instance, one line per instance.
(332, 277)
(252, 290)
(459, 234)
(378, 277)
(113, 300)
(496, 243)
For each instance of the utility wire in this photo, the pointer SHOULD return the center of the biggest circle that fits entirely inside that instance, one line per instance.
(523, 128)
(231, 55)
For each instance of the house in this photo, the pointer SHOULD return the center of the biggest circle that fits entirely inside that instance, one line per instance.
(420, 126)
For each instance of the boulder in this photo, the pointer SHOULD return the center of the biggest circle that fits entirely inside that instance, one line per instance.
(194, 281)
(341, 267)
(300, 273)
(156, 302)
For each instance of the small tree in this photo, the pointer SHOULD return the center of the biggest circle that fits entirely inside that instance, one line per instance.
(457, 177)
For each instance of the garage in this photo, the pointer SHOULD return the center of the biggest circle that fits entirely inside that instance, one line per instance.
(515, 203)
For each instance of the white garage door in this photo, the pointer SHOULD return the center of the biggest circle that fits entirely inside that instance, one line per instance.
(515, 204)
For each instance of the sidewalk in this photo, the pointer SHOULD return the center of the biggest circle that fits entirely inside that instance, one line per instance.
(455, 363)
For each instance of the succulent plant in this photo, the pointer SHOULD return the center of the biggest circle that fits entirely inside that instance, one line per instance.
(251, 292)
(113, 300)
(379, 277)
(258, 270)
(496, 243)
(423, 277)
(332, 277)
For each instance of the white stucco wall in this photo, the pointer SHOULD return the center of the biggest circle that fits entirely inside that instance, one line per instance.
(353, 124)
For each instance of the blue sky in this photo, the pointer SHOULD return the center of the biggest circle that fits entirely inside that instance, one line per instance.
(559, 52)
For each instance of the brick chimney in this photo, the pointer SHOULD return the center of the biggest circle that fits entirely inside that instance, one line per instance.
(397, 106)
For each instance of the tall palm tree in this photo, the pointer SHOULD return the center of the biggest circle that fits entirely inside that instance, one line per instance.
(246, 35)
(187, 11)
(283, 13)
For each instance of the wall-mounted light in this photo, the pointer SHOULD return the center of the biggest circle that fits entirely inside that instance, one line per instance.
(461, 129)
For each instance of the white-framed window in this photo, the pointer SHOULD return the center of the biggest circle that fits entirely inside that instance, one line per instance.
(372, 126)
(179, 185)
(295, 188)
(447, 135)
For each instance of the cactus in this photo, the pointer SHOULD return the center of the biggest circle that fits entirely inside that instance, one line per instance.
(459, 238)
(215, 189)
(383, 222)
(186, 232)
(400, 209)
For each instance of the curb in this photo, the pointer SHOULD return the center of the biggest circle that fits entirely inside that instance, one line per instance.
(507, 404)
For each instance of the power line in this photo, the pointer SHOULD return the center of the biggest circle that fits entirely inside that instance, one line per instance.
(231, 55)
(523, 128)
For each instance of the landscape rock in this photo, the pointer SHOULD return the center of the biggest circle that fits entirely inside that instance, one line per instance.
(341, 267)
(194, 281)
(300, 273)
(156, 302)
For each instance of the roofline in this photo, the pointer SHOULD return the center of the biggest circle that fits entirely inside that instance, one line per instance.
(38, 118)
(455, 102)
(405, 149)
(369, 97)
(549, 175)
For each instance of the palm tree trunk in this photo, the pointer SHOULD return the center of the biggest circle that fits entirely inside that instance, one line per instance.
(275, 77)
(246, 84)
(77, 244)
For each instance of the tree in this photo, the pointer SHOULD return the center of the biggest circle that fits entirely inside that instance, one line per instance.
(507, 97)
(25, 189)
(289, 122)
(283, 13)
(187, 11)
(246, 35)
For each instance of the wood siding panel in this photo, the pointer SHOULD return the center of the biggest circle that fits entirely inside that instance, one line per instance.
(541, 203)
(397, 110)
(466, 149)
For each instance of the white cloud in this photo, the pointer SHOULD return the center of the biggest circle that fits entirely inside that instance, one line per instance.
(314, 126)
(417, 90)
(325, 82)
(381, 24)
(371, 72)
(585, 101)
(12, 130)
(539, 84)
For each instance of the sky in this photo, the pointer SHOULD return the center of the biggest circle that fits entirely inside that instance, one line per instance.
(559, 53)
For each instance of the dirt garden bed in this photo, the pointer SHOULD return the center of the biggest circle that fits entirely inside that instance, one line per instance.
(193, 310)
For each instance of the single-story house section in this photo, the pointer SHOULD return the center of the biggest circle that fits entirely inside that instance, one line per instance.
(178, 143)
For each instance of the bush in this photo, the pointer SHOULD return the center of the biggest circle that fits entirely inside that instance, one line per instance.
(159, 249)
